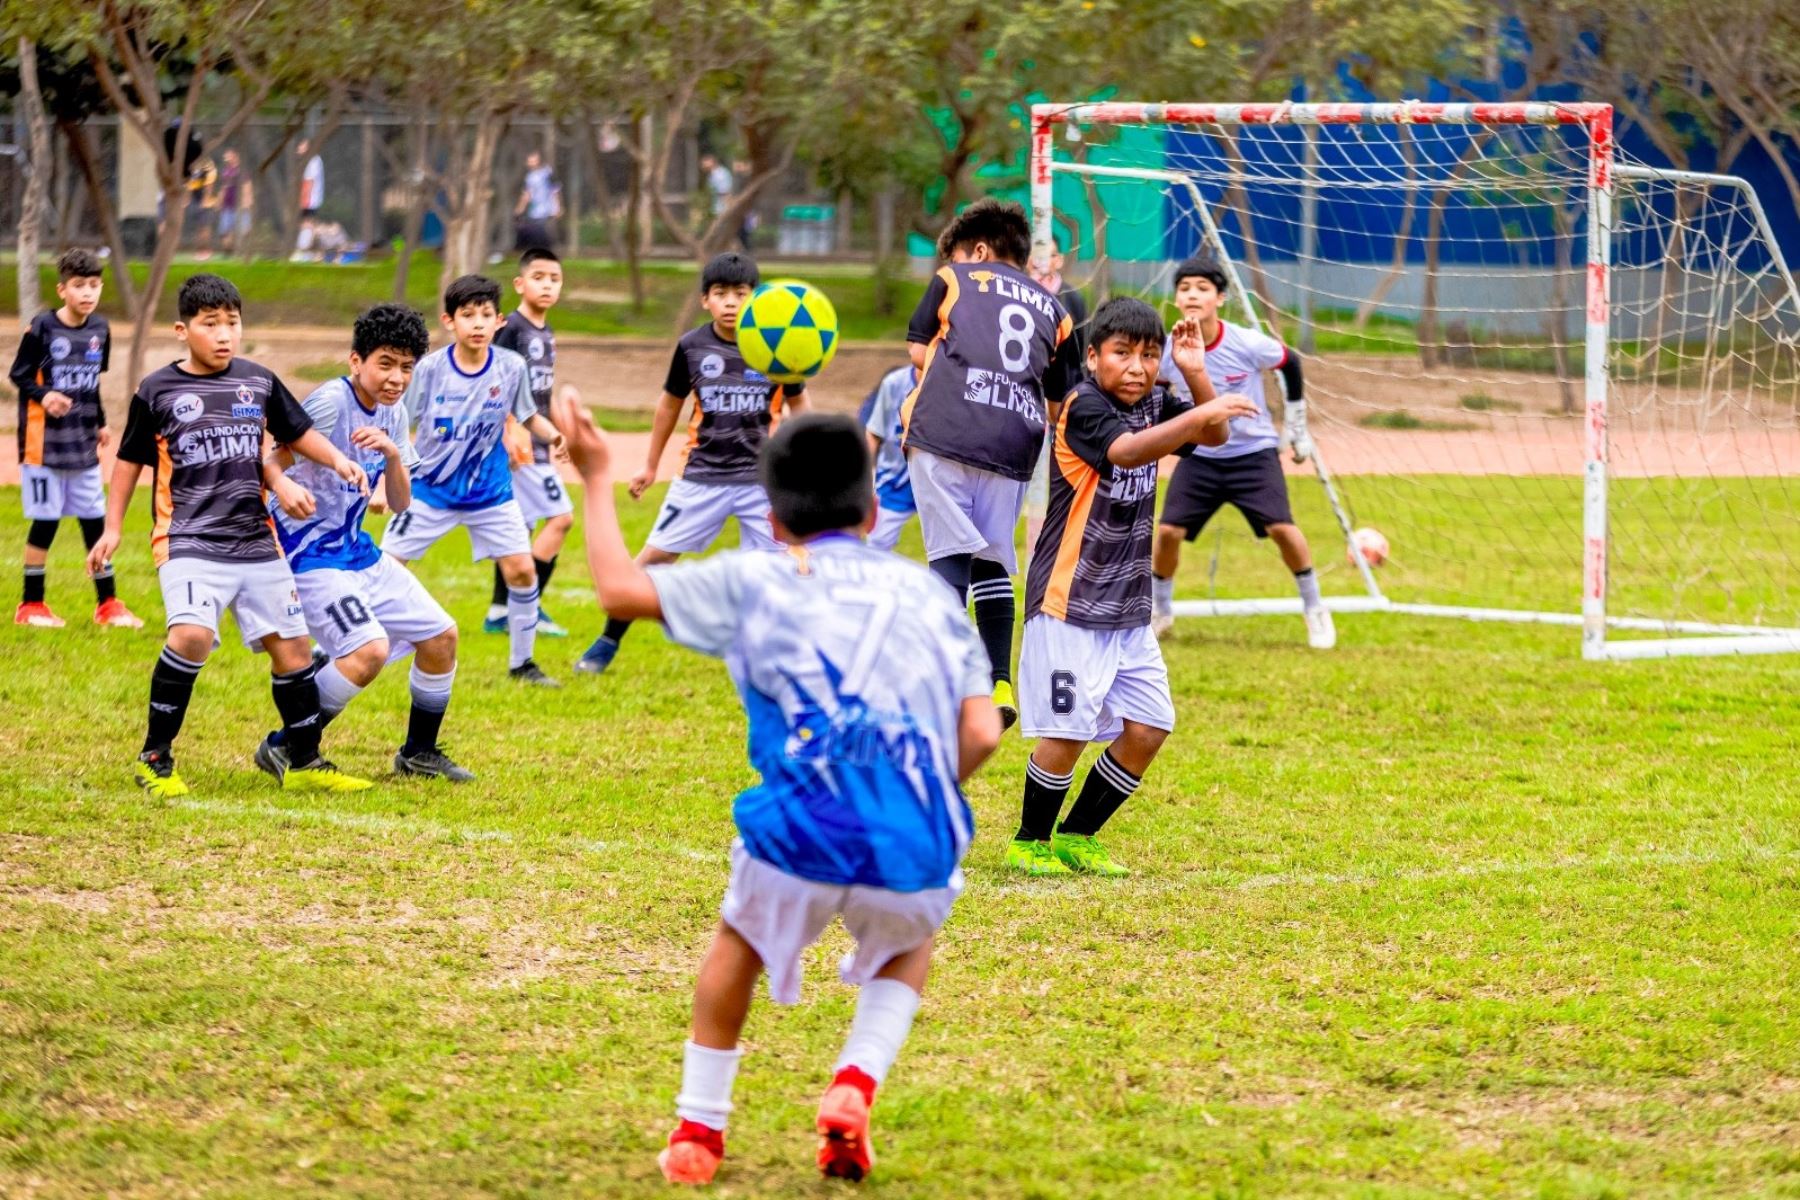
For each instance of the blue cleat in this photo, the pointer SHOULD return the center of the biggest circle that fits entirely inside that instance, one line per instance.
(495, 624)
(599, 656)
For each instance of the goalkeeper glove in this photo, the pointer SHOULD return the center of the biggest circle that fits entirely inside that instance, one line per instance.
(1293, 430)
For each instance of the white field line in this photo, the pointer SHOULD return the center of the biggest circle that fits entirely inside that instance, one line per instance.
(417, 827)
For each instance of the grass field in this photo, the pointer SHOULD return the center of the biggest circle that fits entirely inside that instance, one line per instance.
(1445, 911)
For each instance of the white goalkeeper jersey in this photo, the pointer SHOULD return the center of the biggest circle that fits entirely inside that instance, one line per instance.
(1235, 363)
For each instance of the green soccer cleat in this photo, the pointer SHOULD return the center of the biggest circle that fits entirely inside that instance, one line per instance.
(321, 776)
(1033, 858)
(1083, 853)
(155, 773)
(548, 627)
(1007, 704)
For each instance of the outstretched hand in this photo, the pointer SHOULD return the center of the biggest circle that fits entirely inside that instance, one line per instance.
(586, 443)
(1187, 346)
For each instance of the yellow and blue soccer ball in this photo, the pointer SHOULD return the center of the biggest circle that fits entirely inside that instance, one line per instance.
(788, 331)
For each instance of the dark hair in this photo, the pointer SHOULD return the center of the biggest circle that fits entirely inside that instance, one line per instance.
(390, 326)
(999, 223)
(816, 472)
(470, 289)
(77, 264)
(1126, 317)
(729, 269)
(1206, 267)
(201, 292)
(537, 254)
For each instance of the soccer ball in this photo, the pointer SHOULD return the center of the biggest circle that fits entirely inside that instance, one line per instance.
(788, 331)
(1370, 544)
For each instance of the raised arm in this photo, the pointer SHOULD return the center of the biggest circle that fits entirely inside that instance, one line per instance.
(623, 588)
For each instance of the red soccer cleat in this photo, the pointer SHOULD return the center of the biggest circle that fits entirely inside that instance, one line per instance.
(114, 613)
(844, 1148)
(693, 1154)
(37, 613)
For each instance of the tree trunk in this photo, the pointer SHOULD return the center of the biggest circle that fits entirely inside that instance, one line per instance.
(634, 220)
(36, 164)
(168, 237)
(418, 196)
(1402, 236)
(466, 224)
(82, 151)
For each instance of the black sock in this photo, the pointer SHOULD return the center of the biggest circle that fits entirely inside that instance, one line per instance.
(615, 629)
(297, 700)
(1107, 786)
(545, 569)
(499, 598)
(34, 585)
(954, 569)
(992, 591)
(1044, 796)
(171, 687)
(104, 588)
(422, 726)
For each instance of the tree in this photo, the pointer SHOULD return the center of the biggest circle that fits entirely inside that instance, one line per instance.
(37, 179)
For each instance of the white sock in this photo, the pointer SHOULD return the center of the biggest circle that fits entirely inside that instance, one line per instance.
(1308, 583)
(1162, 590)
(521, 619)
(335, 690)
(706, 1079)
(496, 612)
(431, 691)
(884, 1016)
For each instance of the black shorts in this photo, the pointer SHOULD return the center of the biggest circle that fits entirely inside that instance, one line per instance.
(1252, 483)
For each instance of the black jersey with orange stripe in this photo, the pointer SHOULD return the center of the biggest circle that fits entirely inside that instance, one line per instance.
(202, 435)
(1091, 566)
(999, 345)
(733, 406)
(54, 357)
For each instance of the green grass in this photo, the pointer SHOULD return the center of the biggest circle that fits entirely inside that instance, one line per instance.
(596, 294)
(1399, 418)
(1482, 402)
(1446, 911)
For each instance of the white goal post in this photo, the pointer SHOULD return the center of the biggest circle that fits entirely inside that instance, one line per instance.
(1512, 220)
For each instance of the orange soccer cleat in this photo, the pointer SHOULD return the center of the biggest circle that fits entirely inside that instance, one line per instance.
(114, 613)
(37, 613)
(693, 1154)
(844, 1148)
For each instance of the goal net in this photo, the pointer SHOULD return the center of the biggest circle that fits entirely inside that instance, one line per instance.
(1565, 386)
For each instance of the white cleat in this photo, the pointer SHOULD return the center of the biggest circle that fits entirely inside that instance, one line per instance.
(1321, 634)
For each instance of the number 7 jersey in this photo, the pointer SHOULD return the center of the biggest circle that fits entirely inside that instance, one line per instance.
(998, 345)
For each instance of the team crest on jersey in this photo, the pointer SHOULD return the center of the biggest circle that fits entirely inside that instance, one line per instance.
(1235, 378)
(983, 278)
(712, 366)
(59, 347)
(93, 349)
(246, 405)
(493, 391)
(187, 408)
(754, 376)
(536, 348)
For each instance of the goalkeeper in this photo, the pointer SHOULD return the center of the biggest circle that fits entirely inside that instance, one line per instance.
(1245, 472)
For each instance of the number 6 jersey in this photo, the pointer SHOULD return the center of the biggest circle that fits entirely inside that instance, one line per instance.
(999, 346)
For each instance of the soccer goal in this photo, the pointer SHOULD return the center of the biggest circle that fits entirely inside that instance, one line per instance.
(1563, 384)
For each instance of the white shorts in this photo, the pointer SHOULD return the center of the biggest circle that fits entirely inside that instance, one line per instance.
(346, 610)
(965, 510)
(1083, 684)
(261, 596)
(780, 915)
(494, 532)
(694, 514)
(889, 525)
(540, 492)
(50, 493)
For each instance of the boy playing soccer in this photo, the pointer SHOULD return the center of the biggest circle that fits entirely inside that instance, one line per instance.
(458, 402)
(1089, 668)
(1246, 471)
(62, 429)
(356, 598)
(992, 347)
(198, 424)
(880, 416)
(536, 485)
(867, 694)
(734, 408)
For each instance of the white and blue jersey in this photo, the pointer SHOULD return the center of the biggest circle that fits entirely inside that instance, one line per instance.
(853, 665)
(458, 419)
(333, 538)
(881, 417)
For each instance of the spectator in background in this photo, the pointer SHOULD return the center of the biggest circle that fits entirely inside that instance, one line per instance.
(312, 191)
(540, 203)
(235, 204)
(748, 228)
(1049, 276)
(719, 182)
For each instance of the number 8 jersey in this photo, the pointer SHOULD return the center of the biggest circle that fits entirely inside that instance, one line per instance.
(999, 345)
